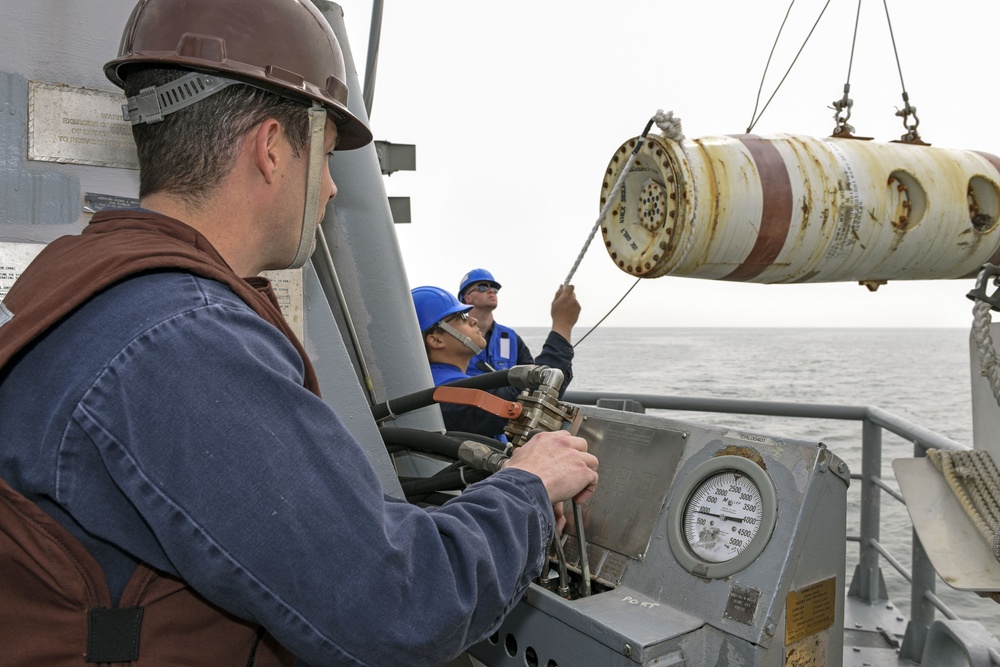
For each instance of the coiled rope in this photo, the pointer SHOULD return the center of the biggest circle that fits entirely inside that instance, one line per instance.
(971, 474)
(984, 346)
(973, 478)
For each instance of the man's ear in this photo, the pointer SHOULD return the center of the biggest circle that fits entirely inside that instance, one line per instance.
(433, 341)
(265, 139)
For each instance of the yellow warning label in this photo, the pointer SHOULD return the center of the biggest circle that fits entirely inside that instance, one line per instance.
(810, 610)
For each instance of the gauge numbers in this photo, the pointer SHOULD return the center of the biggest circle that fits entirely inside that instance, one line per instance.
(723, 516)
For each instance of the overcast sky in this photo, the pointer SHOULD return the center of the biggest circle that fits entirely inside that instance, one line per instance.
(515, 109)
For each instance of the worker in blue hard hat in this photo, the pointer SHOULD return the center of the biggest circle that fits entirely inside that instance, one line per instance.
(504, 347)
(452, 337)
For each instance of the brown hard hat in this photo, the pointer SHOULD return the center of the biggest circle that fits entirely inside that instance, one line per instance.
(285, 46)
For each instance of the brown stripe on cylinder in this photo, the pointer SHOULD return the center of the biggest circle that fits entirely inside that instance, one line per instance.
(776, 215)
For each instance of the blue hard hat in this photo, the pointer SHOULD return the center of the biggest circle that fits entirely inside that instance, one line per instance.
(476, 276)
(434, 304)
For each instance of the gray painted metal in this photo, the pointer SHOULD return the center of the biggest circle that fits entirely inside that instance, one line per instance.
(943, 524)
(359, 230)
(952, 643)
(55, 42)
(661, 611)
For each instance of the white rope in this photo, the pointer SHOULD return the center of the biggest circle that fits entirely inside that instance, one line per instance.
(984, 346)
(670, 128)
(973, 478)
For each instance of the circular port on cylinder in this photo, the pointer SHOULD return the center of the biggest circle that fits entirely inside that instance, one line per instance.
(984, 203)
(906, 201)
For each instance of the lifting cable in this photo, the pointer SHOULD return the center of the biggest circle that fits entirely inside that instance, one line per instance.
(591, 330)
(911, 135)
(756, 116)
(839, 106)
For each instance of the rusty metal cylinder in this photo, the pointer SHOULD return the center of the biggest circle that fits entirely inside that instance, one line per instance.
(796, 209)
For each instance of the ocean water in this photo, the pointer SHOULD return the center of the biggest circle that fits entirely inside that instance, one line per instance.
(921, 375)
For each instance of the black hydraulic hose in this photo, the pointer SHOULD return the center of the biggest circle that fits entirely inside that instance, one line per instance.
(449, 481)
(426, 441)
(425, 397)
(478, 437)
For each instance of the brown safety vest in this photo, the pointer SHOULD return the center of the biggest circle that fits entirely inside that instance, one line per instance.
(55, 605)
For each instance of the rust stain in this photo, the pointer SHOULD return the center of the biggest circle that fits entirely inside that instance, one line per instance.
(995, 161)
(746, 452)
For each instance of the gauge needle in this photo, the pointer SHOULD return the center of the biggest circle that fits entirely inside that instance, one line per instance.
(721, 516)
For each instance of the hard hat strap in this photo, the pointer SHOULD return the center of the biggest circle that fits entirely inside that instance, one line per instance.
(465, 340)
(153, 103)
(310, 214)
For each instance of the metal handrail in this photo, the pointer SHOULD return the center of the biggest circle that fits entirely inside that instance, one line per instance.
(873, 419)
(918, 435)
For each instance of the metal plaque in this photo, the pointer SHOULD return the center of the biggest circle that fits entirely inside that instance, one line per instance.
(287, 285)
(810, 610)
(78, 126)
(96, 201)
(638, 463)
(742, 604)
(14, 259)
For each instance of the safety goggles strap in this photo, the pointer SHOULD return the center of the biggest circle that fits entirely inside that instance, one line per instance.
(465, 340)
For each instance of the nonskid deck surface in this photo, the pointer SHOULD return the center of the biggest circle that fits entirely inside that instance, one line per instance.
(873, 633)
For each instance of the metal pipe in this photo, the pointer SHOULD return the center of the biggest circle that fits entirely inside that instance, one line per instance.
(888, 421)
(563, 573)
(871, 499)
(331, 285)
(371, 64)
(923, 584)
(584, 562)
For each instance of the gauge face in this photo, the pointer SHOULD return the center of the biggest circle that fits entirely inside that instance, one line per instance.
(723, 516)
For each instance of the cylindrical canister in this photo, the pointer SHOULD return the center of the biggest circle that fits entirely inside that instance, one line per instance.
(793, 209)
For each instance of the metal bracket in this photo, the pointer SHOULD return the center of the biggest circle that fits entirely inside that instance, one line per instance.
(979, 292)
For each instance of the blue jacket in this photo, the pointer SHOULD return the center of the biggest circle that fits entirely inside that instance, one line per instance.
(165, 421)
(504, 348)
(556, 353)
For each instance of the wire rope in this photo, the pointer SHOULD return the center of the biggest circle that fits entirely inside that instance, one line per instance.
(755, 120)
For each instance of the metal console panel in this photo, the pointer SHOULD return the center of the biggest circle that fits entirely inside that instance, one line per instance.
(785, 604)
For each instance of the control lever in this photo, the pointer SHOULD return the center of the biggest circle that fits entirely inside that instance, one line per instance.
(581, 539)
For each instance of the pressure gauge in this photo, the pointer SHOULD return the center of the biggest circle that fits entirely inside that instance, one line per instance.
(721, 516)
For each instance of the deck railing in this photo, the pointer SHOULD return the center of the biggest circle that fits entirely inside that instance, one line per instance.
(867, 582)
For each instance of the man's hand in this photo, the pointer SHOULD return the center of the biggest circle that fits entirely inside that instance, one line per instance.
(562, 462)
(565, 311)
